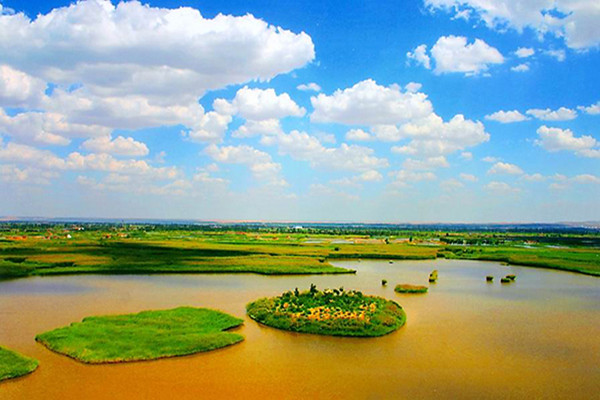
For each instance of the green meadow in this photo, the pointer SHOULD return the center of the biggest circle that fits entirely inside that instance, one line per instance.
(147, 335)
(13, 365)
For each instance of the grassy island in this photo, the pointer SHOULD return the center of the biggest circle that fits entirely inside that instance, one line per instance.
(335, 312)
(13, 365)
(406, 288)
(147, 335)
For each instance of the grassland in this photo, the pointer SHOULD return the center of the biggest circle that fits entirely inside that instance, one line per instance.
(406, 288)
(115, 249)
(147, 335)
(13, 365)
(330, 312)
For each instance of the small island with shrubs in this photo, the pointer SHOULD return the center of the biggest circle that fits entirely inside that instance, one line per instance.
(14, 365)
(406, 288)
(335, 312)
(147, 335)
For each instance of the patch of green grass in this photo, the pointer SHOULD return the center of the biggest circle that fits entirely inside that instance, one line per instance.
(147, 335)
(13, 365)
(330, 312)
(406, 288)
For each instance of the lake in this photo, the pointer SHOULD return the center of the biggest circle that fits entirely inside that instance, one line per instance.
(538, 337)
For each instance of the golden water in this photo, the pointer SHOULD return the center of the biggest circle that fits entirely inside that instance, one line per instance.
(536, 338)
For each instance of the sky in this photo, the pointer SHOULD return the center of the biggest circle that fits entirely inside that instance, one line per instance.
(363, 111)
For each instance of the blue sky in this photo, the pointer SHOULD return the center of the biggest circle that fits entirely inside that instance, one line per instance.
(425, 111)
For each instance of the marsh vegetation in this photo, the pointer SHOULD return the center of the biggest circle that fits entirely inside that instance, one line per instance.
(336, 312)
(13, 364)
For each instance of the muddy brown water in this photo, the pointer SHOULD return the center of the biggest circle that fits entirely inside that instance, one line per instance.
(538, 337)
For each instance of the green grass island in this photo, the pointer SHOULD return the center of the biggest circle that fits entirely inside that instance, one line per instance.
(335, 312)
(14, 365)
(410, 289)
(147, 335)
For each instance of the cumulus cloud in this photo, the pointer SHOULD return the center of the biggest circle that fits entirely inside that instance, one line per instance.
(357, 180)
(119, 146)
(454, 54)
(302, 146)
(367, 103)
(150, 51)
(520, 68)
(259, 104)
(501, 187)
(468, 177)
(419, 56)
(575, 21)
(556, 139)
(358, 135)
(451, 184)
(432, 136)
(210, 127)
(309, 87)
(524, 52)
(405, 177)
(466, 155)
(18, 89)
(593, 109)
(426, 164)
(33, 176)
(258, 128)
(559, 55)
(505, 168)
(562, 114)
(260, 164)
(506, 117)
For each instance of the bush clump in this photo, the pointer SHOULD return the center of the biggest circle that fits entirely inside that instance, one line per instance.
(406, 288)
(335, 312)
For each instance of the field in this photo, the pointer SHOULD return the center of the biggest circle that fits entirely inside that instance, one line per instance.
(147, 335)
(30, 250)
(13, 365)
(333, 312)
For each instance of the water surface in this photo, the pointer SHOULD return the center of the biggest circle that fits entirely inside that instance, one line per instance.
(536, 338)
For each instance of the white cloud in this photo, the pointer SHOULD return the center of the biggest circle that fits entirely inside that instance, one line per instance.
(13, 174)
(46, 128)
(505, 168)
(537, 177)
(358, 135)
(501, 187)
(524, 52)
(404, 177)
(466, 155)
(560, 55)
(260, 163)
(556, 139)
(432, 136)
(210, 128)
(43, 159)
(419, 56)
(18, 89)
(520, 68)
(368, 103)
(451, 184)
(575, 20)
(302, 146)
(120, 146)
(260, 104)
(593, 109)
(468, 177)
(309, 87)
(586, 179)
(258, 128)
(506, 117)
(426, 164)
(413, 87)
(562, 114)
(355, 181)
(490, 159)
(137, 49)
(453, 54)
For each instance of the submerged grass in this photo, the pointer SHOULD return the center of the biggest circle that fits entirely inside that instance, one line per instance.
(147, 335)
(13, 365)
(406, 288)
(330, 312)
